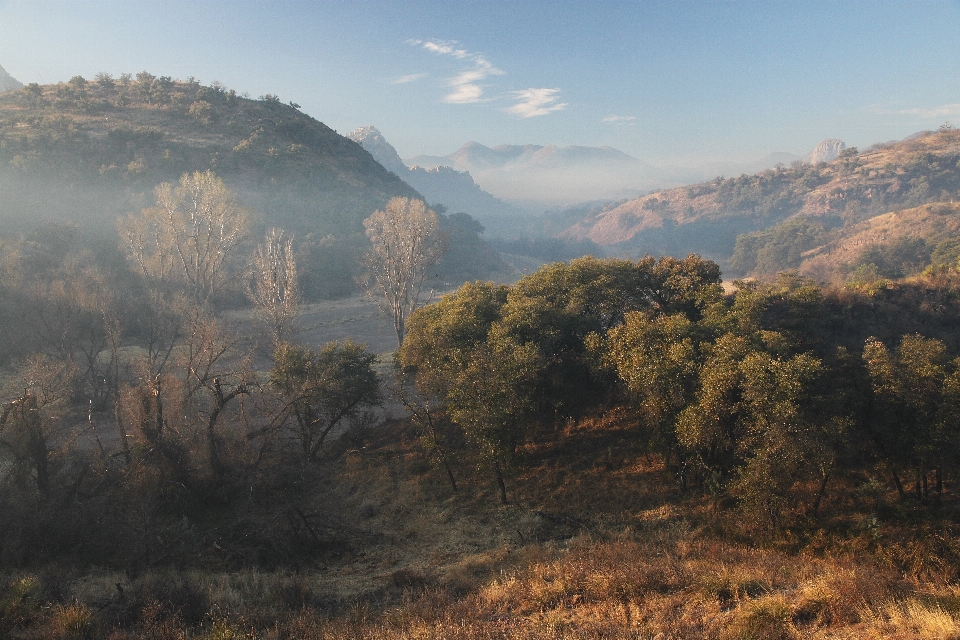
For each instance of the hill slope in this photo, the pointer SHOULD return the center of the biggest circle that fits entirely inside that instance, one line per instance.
(708, 217)
(87, 152)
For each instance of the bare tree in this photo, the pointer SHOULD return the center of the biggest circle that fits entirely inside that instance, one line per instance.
(30, 425)
(405, 241)
(273, 286)
(189, 235)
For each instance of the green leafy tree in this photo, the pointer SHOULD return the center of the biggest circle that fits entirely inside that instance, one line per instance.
(754, 426)
(323, 389)
(443, 336)
(780, 447)
(494, 398)
(907, 406)
(656, 358)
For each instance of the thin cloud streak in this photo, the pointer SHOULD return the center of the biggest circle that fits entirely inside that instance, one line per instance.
(535, 102)
(924, 113)
(623, 121)
(413, 77)
(466, 86)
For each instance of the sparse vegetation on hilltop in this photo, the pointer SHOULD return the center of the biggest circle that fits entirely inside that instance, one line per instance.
(773, 221)
(86, 152)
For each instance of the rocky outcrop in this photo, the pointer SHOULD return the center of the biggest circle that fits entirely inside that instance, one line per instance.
(382, 151)
(827, 151)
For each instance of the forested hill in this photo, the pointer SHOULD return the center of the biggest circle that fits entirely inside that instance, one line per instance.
(86, 151)
(708, 217)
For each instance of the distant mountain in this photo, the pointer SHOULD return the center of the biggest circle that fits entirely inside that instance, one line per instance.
(8, 82)
(441, 184)
(708, 217)
(537, 176)
(382, 151)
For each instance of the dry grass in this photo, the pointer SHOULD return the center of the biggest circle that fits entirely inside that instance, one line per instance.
(597, 543)
(632, 584)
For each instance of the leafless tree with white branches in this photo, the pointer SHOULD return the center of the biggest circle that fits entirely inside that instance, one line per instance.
(273, 287)
(189, 235)
(405, 242)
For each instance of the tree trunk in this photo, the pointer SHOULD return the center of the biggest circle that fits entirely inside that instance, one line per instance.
(446, 465)
(896, 481)
(500, 484)
(820, 493)
(122, 432)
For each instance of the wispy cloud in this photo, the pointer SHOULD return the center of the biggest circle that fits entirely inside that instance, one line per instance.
(535, 102)
(466, 86)
(413, 77)
(623, 121)
(951, 110)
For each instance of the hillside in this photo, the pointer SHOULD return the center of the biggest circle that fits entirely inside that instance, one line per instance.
(88, 151)
(708, 217)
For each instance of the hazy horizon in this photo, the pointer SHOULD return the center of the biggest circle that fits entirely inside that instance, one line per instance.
(672, 84)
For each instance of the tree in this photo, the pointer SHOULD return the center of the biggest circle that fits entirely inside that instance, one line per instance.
(273, 286)
(907, 406)
(189, 236)
(105, 80)
(405, 242)
(757, 427)
(494, 398)
(30, 429)
(656, 358)
(323, 389)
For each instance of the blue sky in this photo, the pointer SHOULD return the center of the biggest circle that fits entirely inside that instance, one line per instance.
(667, 82)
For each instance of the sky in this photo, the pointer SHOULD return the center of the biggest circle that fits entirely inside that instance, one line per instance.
(669, 82)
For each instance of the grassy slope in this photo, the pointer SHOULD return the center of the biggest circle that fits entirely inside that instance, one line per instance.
(707, 217)
(598, 542)
(931, 223)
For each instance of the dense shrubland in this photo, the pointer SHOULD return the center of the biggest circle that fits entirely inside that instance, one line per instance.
(770, 396)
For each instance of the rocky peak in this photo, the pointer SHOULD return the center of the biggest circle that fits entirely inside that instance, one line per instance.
(376, 145)
(8, 82)
(827, 151)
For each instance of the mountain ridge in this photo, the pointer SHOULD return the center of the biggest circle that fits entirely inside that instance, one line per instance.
(103, 147)
(440, 184)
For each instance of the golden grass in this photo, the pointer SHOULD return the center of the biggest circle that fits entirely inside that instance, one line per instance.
(596, 544)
